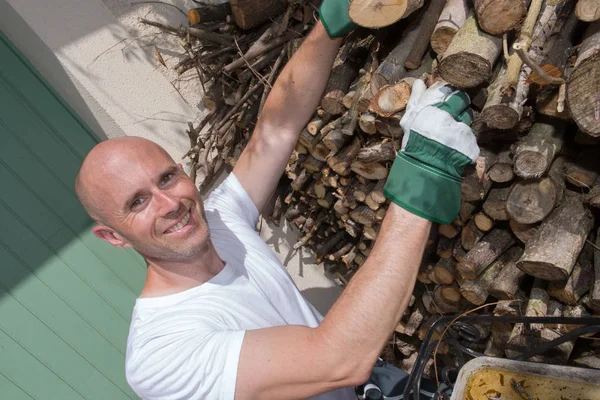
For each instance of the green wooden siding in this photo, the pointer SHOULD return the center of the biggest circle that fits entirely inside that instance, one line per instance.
(65, 296)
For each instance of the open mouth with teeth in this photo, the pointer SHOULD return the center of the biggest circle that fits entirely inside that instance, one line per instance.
(181, 224)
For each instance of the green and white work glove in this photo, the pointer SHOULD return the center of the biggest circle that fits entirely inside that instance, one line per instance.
(438, 143)
(334, 16)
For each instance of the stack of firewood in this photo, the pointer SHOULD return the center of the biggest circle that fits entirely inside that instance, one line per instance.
(526, 229)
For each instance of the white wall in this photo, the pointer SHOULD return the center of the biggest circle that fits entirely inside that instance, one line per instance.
(110, 81)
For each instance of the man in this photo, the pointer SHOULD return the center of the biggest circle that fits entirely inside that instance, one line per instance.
(219, 317)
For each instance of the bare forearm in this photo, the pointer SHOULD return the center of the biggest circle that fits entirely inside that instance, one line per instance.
(298, 90)
(369, 309)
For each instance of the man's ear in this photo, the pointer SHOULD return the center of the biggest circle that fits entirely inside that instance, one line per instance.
(108, 234)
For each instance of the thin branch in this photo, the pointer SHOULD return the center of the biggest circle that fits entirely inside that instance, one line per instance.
(527, 60)
(258, 76)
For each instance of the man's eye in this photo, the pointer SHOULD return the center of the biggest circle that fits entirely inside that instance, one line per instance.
(167, 178)
(137, 203)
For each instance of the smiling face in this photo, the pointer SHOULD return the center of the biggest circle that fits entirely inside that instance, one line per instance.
(143, 200)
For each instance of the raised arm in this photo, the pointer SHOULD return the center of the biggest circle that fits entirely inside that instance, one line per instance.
(292, 101)
(424, 186)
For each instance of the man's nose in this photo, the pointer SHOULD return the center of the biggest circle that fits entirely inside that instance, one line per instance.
(168, 205)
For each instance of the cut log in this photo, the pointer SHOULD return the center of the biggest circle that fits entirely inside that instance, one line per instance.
(483, 222)
(391, 99)
(315, 125)
(458, 252)
(445, 270)
(502, 170)
(588, 10)
(495, 203)
(523, 232)
(506, 284)
(364, 216)
(348, 98)
(467, 209)
(312, 164)
(535, 152)
(382, 151)
(367, 124)
(335, 140)
(470, 235)
(530, 201)
(499, 16)
(340, 162)
(414, 321)
(552, 252)
(469, 59)
(372, 170)
(447, 293)
(583, 87)
(476, 291)
(485, 252)
(584, 170)
(501, 110)
(250, 13)
(451, 19)
(300, 182)
(448, 230)
(377, 14)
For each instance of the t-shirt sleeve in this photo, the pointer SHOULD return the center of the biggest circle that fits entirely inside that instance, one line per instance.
(231, 199)
(189, 365)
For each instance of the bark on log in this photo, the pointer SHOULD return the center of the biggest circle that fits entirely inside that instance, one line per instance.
(364, 216)
(502, 170)
(428, 23)
(339, 81)
(250, 13)
(476, 291)
(524, 337)
(451, 19)
(376, 14)
(467, 209)
(507, 282)
(469, 59)
(391, 69)
(552, 252)
(583, 87)
(499, 16)
(476, 182)
(536, 151)
(495, 203)
(530, 201)
(340, 162)
(470, 235)
(382, 151)
(335, 140)
(580, 281)
(588, 10)
(485, 252)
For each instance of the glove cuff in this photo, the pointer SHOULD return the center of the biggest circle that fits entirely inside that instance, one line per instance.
(423, 190)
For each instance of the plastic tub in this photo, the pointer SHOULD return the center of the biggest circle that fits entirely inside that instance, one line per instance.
(488, 376)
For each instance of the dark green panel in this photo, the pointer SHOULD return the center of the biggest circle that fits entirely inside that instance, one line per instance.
(25, 370)
(91, 300)
(43, 324)
(11, 391)
(65, 125)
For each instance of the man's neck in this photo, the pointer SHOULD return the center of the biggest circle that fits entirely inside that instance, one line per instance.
(167, 277)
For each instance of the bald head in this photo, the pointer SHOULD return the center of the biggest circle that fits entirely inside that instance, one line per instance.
(111, 168)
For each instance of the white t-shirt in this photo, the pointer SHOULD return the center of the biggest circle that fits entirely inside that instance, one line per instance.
(187, 345)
